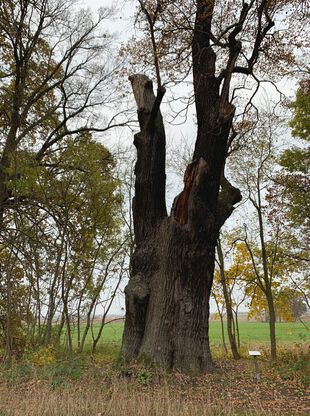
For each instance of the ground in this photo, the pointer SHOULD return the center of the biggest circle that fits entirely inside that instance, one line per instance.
(98, 388)
(47, 382)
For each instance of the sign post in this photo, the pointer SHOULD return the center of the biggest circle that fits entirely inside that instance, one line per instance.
(256, 354)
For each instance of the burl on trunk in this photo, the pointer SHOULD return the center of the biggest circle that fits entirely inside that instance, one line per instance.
(167, 297)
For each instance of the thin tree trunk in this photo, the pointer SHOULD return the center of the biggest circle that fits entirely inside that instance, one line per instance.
(61, 326)
(103, 320)
(229, 310)
(237, 328)
(223, 334)
(222, 324)
(81, 295)
(69, 334)
(267, 276)
(9, 330)
(79, 325)
(8, 338)
(66, 284)
(52, 306)
(96, 296)
(272, 324)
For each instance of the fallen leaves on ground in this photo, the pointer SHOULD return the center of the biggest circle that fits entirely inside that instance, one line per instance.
(231, 389)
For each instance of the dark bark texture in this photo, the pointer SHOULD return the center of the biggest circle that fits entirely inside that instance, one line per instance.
(167, 297)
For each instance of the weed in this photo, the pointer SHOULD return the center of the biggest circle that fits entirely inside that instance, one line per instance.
(144, 377)
(59, 373)
(294, 364)
(17, 372)
(58, 382)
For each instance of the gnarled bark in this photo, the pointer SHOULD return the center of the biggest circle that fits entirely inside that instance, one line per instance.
(167, 297)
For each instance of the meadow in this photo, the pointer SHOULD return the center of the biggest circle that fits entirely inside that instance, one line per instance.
(252, 334)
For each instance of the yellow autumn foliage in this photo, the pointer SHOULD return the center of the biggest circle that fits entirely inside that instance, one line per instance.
(43, 356)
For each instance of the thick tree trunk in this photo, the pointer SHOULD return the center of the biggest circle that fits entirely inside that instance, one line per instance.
(176, 332)
(170, 303)
(167, 297)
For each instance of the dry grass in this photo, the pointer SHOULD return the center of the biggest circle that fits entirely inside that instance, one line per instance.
(122, 401)
(119, 400)
(102, 390)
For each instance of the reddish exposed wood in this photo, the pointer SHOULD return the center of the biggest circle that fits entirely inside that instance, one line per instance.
(194, 175)
(180, 210)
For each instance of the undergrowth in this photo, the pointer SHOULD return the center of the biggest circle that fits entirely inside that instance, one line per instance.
(52, 383)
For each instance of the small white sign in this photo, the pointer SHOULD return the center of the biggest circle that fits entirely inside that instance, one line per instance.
(254, 353)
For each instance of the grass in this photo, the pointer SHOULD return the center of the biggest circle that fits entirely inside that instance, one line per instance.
(112, 332)
(251, 333)
(287, 332)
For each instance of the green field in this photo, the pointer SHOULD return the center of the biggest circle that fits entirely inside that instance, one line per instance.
(251, 333)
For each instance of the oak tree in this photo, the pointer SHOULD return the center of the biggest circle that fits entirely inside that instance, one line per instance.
(167, 297)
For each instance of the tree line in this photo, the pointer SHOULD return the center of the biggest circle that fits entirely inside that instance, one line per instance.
(60, 199)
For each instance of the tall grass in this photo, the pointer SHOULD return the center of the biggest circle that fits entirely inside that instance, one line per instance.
(120, 399)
